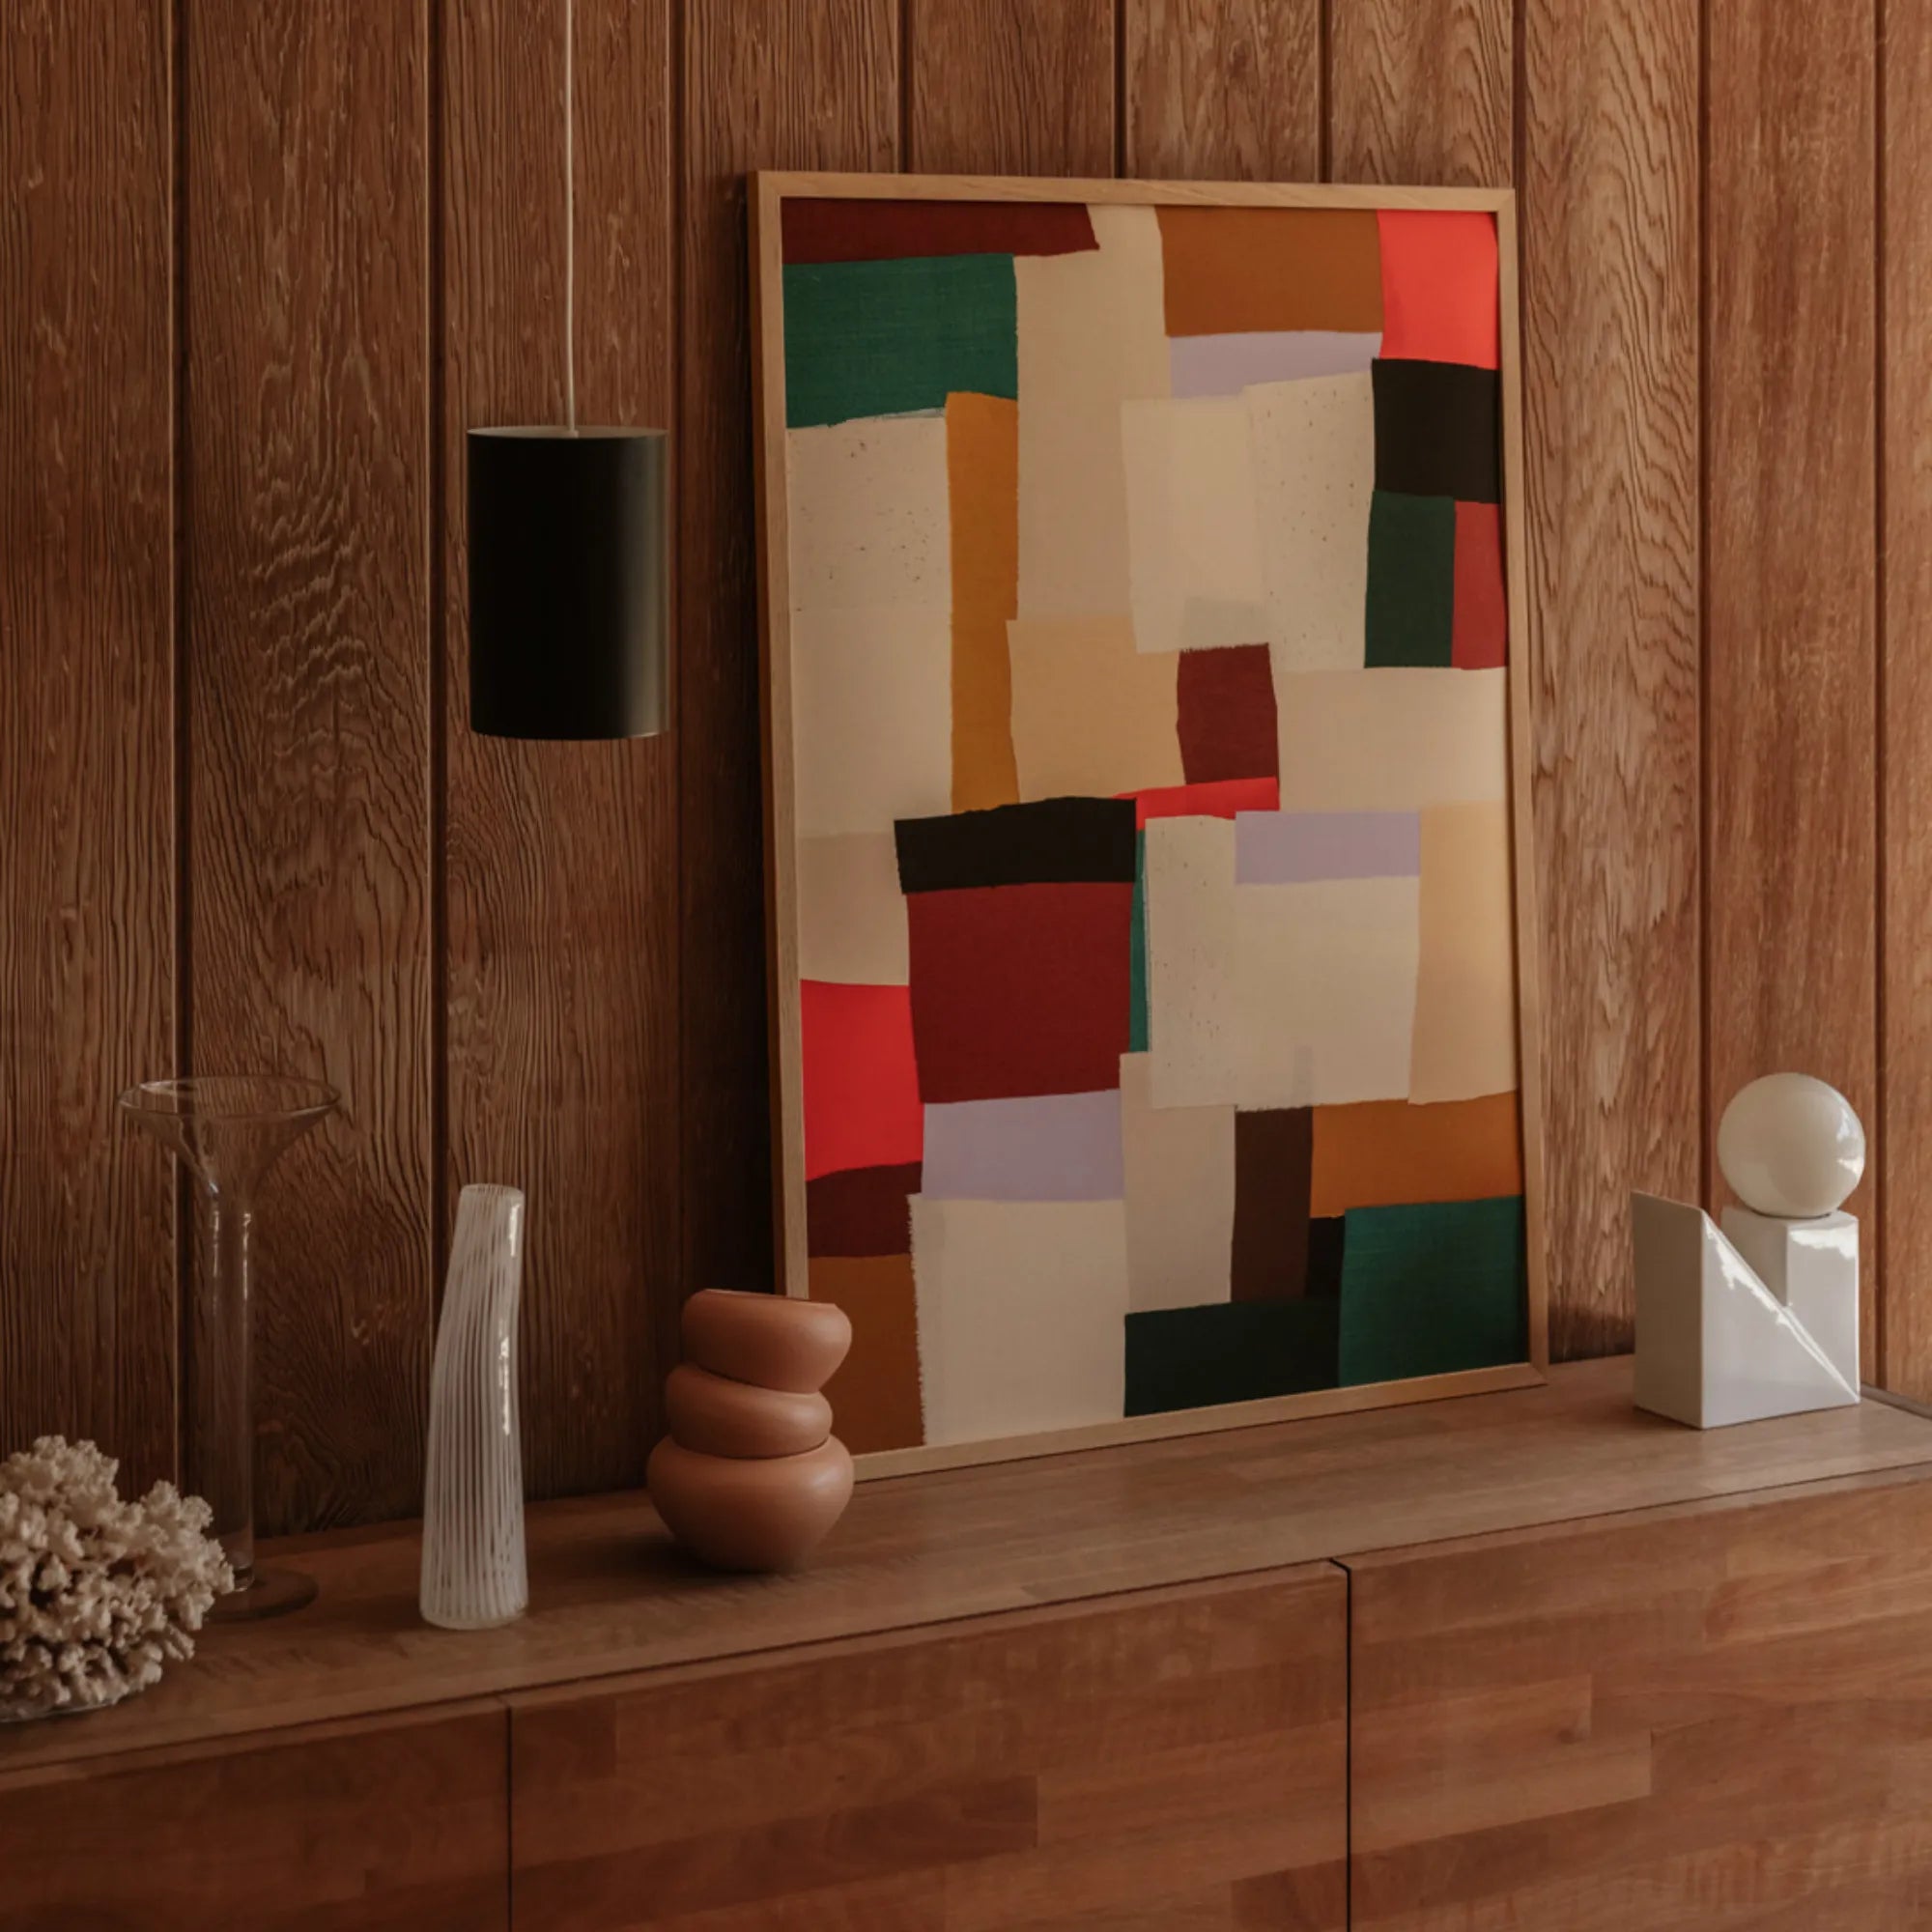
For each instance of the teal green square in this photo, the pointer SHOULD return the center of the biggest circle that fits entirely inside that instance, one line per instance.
(1137, 969)
(888, 338)
(1433, 1288)
(1411, 609)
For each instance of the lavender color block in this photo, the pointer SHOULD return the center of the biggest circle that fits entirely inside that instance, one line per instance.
(1057, 1147)
(1292, 848)
(1224, 365)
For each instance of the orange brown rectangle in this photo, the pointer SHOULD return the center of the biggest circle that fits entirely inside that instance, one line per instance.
(874, 1396)
(1240, 271)
(983, 471)
(1386, 1154)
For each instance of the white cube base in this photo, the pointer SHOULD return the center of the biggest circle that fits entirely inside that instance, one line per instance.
(1758, 1320)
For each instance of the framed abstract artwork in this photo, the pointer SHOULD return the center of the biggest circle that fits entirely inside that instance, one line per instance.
(1145, 668)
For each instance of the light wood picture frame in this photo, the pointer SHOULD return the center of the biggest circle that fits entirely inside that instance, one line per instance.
(899, 505)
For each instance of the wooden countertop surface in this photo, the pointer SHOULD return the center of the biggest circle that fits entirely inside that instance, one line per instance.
(610, 1594)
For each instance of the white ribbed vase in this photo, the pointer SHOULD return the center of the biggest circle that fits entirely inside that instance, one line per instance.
(473, 1572)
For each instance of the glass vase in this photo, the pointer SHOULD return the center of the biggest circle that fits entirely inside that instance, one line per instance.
(473, 1572)
(227, 1131)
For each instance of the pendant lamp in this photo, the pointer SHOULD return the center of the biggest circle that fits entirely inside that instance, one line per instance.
(568, 625)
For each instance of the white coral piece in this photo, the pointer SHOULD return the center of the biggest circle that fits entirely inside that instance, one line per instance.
(95, 1593)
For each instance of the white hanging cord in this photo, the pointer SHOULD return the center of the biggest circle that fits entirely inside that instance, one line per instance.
(569, 226)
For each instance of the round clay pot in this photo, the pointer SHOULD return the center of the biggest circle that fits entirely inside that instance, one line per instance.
(755, 1513)
(775, 1341)
(720, 1417)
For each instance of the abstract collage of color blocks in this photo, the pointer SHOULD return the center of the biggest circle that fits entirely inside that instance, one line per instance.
(1150, 805)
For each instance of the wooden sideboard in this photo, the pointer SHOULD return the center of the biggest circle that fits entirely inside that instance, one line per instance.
(1529, 1659)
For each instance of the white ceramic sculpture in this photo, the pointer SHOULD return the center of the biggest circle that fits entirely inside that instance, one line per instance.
(474, 1570)
(1760, 1317)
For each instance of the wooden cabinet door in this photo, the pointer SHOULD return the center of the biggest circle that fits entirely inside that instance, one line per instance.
(1164, 1761)
(391, 1825)
(1709, 1718)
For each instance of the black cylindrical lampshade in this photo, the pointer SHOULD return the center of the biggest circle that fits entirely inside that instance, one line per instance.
(567, 615)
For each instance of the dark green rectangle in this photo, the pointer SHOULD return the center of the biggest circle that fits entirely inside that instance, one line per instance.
(1227, 1351)
(1412, 608)
(888, 338)
(1433, 1288)
(1137, 974)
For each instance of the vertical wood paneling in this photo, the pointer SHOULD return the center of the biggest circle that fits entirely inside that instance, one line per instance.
(561, 857)
(1610, 302)
(1227, 90)
(1420, 92)
(1011, 86)
(1905, 720)
(87, 939)
(308, 651)
(1789, 648)
(767, 83)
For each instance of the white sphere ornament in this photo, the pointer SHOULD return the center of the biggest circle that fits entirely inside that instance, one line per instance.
(1791, 1147)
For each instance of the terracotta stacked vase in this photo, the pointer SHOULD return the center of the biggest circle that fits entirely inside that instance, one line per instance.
(751, 1476)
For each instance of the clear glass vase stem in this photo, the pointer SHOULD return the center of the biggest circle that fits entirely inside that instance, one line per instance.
(218, 1447)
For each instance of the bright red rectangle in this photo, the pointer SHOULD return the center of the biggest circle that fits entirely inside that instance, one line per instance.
(862, 1106)
(1020, 990)
(1480, 638)
(1440, 300)
(1221, 799)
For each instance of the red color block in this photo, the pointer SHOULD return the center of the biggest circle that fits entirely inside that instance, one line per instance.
(862, 1106)
(1224, 714)
(1480, 638)
(1020, 990)
(855, 230)
(1222, 799)
(1440, 296)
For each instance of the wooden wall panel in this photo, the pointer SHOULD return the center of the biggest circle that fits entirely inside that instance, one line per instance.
(87, 724)
(1688, 1718)
(767, 83)
(1421, 92)
(398, 1825)
(1610, 292)
(1009, 87)
(1227, 90)
(1791, 876)
(1173, 1759)
(307, 386)
(562, 877)
(1905, 708)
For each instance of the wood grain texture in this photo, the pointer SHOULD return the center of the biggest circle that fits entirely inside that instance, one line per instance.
(1610, 286)
(1017, 87)
(1421, 92)
(1703, 1718)
(1791, 880)
(308, 673)
(609, 1594)
(400, 1826)
(563, 858)
(1222, 89)
(87, 905)
(766, 84)
(1156, 1761)
(1905, 700)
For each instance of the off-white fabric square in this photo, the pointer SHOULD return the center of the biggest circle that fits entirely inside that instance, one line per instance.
(1314, 447)
(871, 716)
(851, 914)
(1022, 1315)
(869, 520)
(1092, 336)
(1180, 1165)
(1324, 991)
(1194, 561)
(1193, 1042)
(1391, 740)
(1465, 1017)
